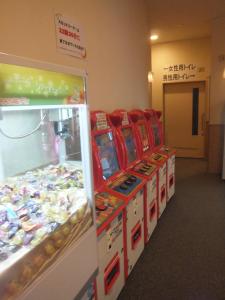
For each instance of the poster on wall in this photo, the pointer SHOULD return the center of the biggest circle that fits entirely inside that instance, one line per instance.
(69, 37)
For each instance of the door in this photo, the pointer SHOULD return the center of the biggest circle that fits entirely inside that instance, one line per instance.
(184, 112)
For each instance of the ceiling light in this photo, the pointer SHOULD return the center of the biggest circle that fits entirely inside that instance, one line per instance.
(154, 37)
(150, 76)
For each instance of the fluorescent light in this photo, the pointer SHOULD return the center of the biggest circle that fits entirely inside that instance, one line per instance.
(154, 37)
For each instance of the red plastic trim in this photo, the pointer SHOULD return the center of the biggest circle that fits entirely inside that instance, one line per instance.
(109, 282)
(125, 244)
(157, 196)
(145, 214)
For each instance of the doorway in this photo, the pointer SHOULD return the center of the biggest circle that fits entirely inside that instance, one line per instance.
(184, 118)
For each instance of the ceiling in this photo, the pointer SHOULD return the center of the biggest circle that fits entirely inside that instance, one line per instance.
(178, 19)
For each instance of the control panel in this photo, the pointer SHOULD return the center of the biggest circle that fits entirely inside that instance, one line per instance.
(106, 205)
(158, 157)
(144, 168)
(125, 184)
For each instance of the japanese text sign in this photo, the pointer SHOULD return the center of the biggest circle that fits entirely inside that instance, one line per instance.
(69, 37)
(179, 72)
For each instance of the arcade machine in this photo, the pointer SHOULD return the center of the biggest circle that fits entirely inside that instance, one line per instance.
(47, 226)
(146, 152)
(121, 184)
(110, 241)
(110, 237)
(127, 143)
(155, 130)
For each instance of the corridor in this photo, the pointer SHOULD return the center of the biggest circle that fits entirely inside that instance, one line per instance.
(185, 258)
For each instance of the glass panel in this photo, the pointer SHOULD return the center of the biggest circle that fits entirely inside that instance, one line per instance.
(130, 145)
(144, 136)
(156, 133)
(44, 206)
(107, 153)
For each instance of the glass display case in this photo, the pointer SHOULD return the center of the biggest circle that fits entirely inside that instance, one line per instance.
(45, 182)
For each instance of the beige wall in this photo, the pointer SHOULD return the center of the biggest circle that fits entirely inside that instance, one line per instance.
(217, 97)
(116, 38)
(195, 51)
(217, 108)
(207, 53)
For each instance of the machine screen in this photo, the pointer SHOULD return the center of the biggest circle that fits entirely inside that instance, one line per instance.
(157, 139)
(130, 145)
(144, 136)
(107, 154)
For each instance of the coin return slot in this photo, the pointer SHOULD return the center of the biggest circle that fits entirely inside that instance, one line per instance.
(171, 181)
(136, 235)
(112, 272)
(163, 193)
(152, 212)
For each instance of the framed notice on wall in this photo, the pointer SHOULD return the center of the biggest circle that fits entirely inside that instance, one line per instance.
(69, 37)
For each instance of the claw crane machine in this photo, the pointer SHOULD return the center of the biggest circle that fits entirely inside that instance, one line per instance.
(121, 183)
(132, 162)
(146, 151)
(155, 129)
(47, 226)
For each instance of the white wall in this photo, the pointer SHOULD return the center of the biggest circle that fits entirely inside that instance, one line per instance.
(115, 35)
(196, 51)
(217, 108)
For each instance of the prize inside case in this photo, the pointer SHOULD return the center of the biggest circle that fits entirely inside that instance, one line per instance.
(44, 205)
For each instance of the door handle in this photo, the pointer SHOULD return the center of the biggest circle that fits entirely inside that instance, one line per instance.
(203, 121)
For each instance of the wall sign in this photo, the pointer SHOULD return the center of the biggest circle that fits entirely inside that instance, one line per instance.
(69, 38)
(179, 72)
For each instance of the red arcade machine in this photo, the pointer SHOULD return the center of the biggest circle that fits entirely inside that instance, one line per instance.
(110, 239)
(124, 185)
(128, 147)
(146, 151)
(155, 129)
